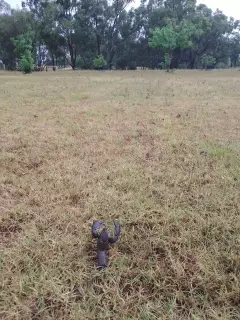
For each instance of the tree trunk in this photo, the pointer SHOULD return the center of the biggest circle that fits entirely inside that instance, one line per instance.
(169, 64)
(193, 57)
(98, 45)
(72, 52)
(53, 60)
(39, 55)
(176, 58)
(98, 37)
(110, 56)
(167, 59)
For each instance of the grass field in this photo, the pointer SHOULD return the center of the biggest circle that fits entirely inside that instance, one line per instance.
(159, 152)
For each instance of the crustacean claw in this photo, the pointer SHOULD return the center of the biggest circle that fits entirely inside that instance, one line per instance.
(100, 232)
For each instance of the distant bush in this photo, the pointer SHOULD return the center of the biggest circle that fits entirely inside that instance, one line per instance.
(183, 66)
(23, 48)
(26, 62)
(78, 62)
(99, 62)
(132, 65)
(121, 64)
(221, 65)
(85, 63)
(208, 61)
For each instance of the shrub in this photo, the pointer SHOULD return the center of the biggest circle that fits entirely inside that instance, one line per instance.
(132, 65)
(208, 61)
(26, 62)
(78, 62)
(121, 64)
(165, 64)
(23, 49)
(221, 65)
(183, 65)
(85, 63)
(99, 62)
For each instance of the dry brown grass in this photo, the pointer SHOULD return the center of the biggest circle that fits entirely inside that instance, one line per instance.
(76, 146)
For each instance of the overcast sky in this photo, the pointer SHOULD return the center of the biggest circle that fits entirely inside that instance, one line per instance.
(229, 7)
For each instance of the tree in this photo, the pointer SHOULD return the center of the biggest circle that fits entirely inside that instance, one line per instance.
(23, 49)
(208, 61)
(235, 49)
(169, 38)
(165, 39)
(49, 34)
(116, 14)
(74, 32)
(180, 9)
(4, 7)
(11, 26)
(212, 33)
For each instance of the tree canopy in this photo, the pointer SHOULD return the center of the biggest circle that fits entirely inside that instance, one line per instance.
(157, 33)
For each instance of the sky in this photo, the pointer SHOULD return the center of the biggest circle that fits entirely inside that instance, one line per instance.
(229, 7)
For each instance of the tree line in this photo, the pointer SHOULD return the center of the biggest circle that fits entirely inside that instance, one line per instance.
(99, 34)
